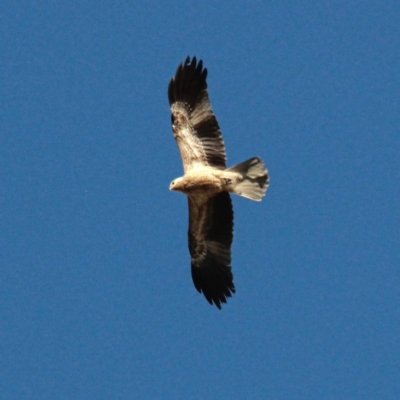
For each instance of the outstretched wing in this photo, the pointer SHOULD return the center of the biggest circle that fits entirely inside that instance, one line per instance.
(210, 239)
(195, 127)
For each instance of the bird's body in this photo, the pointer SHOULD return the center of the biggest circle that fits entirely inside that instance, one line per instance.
(207, 182)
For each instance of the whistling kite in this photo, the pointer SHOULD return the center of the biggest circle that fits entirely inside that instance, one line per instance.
(207, 182)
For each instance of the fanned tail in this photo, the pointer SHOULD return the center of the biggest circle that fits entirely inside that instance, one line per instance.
(254, 181)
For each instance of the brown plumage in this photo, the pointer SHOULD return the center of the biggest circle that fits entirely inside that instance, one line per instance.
(207, 181)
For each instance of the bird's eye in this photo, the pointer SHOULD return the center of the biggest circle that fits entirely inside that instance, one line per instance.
(172, 183)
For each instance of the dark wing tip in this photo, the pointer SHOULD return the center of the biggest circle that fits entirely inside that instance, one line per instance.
(215, 282)
(188, 83)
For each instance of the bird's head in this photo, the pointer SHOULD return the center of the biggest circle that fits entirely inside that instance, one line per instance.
(177, 184)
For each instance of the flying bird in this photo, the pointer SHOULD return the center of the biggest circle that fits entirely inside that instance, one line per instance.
(207, 182)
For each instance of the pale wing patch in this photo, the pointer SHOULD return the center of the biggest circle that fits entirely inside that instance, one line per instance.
(190, 147)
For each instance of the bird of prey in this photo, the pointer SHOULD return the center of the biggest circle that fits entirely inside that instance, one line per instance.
(207, 182)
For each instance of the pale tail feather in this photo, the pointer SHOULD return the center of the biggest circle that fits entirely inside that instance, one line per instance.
(255, 178)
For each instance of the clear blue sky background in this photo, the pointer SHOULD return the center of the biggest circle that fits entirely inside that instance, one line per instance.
(96, 298)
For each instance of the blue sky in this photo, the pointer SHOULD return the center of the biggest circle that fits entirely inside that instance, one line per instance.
(97, 300)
